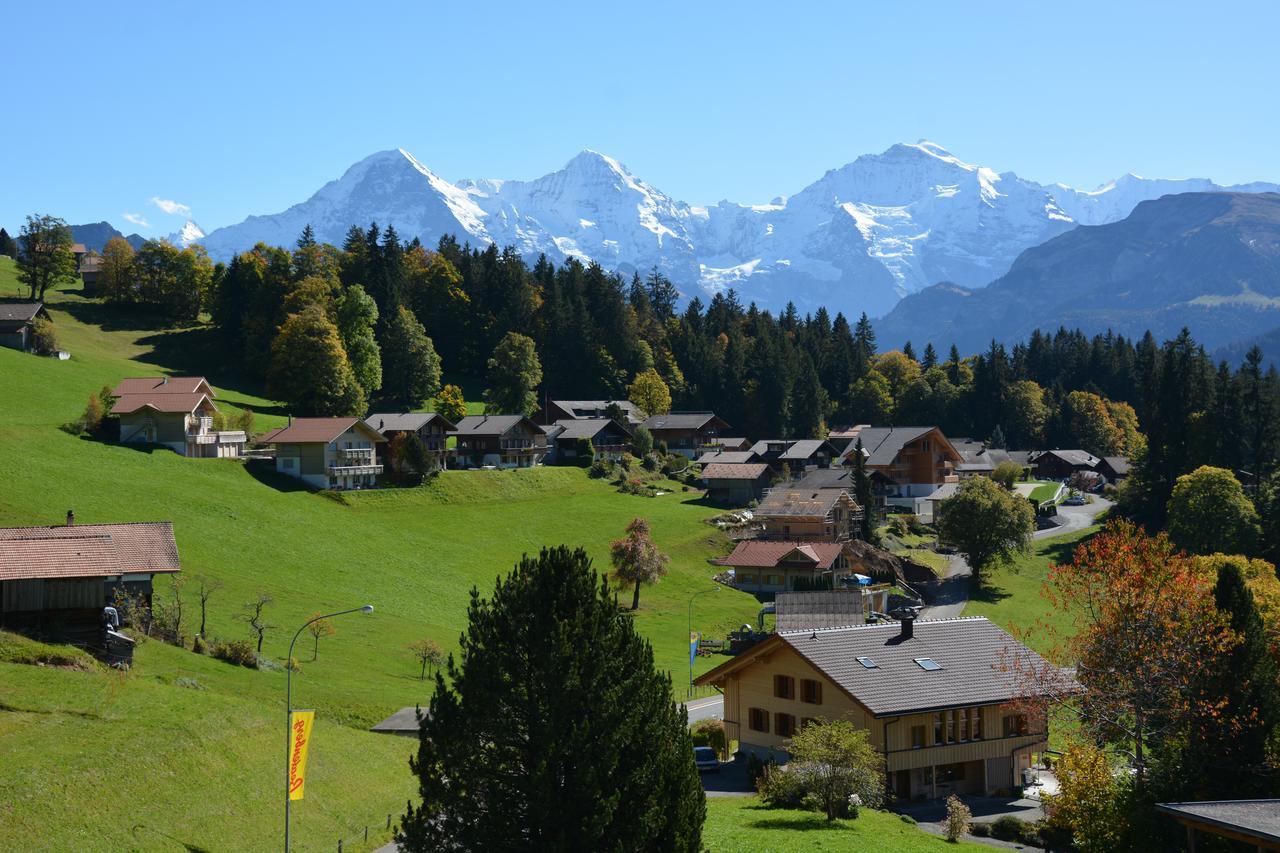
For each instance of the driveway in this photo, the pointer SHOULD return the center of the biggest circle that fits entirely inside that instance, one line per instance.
(1075, 517)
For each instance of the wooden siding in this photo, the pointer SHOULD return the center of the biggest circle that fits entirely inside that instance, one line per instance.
(52, 594)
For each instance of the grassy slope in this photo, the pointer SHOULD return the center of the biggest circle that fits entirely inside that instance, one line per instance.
(742, 824)
(1011, 596)
(413, 554)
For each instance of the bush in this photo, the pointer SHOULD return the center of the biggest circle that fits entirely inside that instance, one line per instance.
(199, 646)
(600, 469)
(238, 652)
(268, 665)
(1008, 828)
(980, 830)
(908, 819)
(783, 789)
(292, 664)
(189, 683)
(710, 733)
(44, 340)
(958, 819)
(650, 462)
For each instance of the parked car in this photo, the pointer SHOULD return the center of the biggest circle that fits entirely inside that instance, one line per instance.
(705, 758)
(1075, 500)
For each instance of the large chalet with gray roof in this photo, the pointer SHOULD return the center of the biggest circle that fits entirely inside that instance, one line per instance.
(941, 700)
(690, 434)
(499, 441)
(572, 440)
(907, 464)
(431, 428)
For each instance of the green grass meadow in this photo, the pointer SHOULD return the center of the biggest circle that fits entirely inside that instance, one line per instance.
(183, 751)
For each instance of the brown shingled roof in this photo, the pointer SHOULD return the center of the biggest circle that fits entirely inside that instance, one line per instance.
(767, 554)
(734, 471)
(87, 550)
(311, 430)
(163, 385)
(160, 402)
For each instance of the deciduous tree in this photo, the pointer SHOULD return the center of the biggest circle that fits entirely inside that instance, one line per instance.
(319, 629)
(514, 375)
(45, 258)
(649, 393)
(1209, 511)
(410, 365)
(636, 559)
(451, 404)
(309, 368)
(117, 278)
(427, 651)
(987, 523)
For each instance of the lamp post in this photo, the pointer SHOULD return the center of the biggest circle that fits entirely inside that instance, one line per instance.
(715, 588)
(288, 705)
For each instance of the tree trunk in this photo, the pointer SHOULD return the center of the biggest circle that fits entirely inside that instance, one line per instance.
(635, 600)
(202, 619)
(315, 650)
(259, 642)
(422, 675)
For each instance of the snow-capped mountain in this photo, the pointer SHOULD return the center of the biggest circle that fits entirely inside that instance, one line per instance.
(185, 236)
(857, 239)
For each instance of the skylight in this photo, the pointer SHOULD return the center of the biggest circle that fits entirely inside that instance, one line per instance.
(868, 663)
(928, 664)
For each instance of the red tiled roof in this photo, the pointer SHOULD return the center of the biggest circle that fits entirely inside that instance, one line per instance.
(163, 385)
(311, 430)
(87, 550)
(160, 402)
(758, 553)
(734, 470)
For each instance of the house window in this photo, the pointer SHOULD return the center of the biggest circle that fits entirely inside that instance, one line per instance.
(786, 531)
(746, 578)
(963, 724)
(784, 725)
(773, 580)
(811, 691)
(937, 729)
(758, 720)
(287, 463)
(975, 723)
(917, 737)
(1015, 724)
(784, 687)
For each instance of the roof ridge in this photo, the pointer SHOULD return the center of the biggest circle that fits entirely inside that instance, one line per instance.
(890, 624)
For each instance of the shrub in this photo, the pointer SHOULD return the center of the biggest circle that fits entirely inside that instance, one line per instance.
(189, 683)
(199, 646)
(292, 664)
(958, 819)
(782, 789)
(44, 340)
(238, 652)
(710, 733)
(650, 462)
(601, 468)
(980, 830)
(1008, 828)
(906, 818)
(268, 665)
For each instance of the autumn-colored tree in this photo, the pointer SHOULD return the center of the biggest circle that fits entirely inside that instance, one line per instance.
(317, 629)
(309, 368)
(428, 653)
(1260, 577)
(871, 399)
(1091, 425)
(1144, 633)
(636, 559)
(1088, 804)
(116, 277)
(451, 404)
(1025, 413)
(650, 393)
(1209, 511)
(899, 369)
(1126, 420)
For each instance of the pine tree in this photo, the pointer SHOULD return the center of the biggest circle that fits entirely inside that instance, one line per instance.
(808, 402)
(997, 438)
(862, 493)
(554, 731)
(930, 356)
(410, 365)
(909, 351)
(865, 336)
(8, 245)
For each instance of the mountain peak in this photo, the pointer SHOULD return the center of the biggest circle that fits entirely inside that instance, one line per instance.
(588, 160)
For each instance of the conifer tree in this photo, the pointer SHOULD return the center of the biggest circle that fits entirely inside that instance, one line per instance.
(930, 356)
(808, 402)
(8, 245)
(554, 730)
(909, 351)
(862, 493)
(865, 336)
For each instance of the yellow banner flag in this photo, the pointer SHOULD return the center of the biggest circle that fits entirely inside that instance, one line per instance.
(299, 740)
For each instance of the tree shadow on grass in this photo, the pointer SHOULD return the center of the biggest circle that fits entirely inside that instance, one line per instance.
(115, 318)
(1062, 552)
(268, 476)
(987, 593)
(801, 824)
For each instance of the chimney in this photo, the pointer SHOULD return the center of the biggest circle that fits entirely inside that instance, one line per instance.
(908, 627)
(71, 518)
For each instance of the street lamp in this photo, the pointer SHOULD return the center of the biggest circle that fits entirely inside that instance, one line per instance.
(715, 588)
(288, 705)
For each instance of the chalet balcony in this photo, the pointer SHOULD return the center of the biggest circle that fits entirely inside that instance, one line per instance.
(522, 446)
(967, 750)
(353, 470)
(356, 455)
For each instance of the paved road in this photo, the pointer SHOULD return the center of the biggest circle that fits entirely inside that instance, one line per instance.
(710, 708)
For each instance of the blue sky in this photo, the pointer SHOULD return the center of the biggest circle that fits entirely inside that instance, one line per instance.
(235, 108)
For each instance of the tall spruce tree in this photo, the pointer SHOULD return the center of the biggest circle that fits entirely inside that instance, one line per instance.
(410, 365)
(8, 245)
(863, 494)
(554, 730)
(357, 318)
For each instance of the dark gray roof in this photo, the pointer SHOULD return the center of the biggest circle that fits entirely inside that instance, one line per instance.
(827, 478)
(19, 312)
(402, 722)
(794, 450)
(583, 427)
(736, 457)
(1071, 457)
(492, 424)
(590, 408)
(882, 444)
(404, 421)
(1256, 818)
(1119, 464)
(680, 420)
(975, 657)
